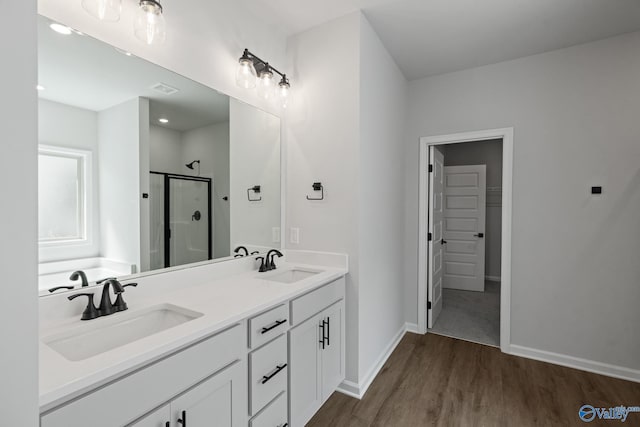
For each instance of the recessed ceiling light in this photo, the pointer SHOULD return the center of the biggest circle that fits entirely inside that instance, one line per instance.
(61, 29)
(40, 87)
(163, 120)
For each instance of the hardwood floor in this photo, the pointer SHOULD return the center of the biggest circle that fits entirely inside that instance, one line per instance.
(432, 380)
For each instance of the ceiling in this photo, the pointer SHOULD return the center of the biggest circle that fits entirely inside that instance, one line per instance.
(429, 37)
(86, 73)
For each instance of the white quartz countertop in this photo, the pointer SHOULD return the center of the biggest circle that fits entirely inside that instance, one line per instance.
(223, 302)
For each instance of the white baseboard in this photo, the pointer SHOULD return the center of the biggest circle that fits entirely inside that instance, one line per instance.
(492, 278)
(577, 363)
(358, 390)
(412, 327)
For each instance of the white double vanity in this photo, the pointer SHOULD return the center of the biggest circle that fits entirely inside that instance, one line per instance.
(217, 344)
(167, 177)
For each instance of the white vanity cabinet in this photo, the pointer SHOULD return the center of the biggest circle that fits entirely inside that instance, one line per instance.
(213, 399)
(210, 370)
(316, 350)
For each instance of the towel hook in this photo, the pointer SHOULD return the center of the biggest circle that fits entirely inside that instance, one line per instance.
(256, 190)
(317, 186)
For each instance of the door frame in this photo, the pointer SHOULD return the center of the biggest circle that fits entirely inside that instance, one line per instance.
(506, 134)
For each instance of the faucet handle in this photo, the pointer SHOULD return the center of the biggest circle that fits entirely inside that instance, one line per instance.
(90, 312)
(263, 267)
(100, 282)
(57, 288)
(120, 305)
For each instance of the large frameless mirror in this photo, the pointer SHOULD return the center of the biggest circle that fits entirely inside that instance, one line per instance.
(141, 169)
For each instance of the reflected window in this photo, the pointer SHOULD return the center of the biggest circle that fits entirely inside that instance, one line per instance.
(62, 211)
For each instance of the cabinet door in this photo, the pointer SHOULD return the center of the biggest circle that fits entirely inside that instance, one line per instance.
(332, 356)
(304, 371)
(158, 418)
(215, 402)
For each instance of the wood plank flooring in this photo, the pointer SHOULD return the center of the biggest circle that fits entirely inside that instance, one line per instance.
(432, 380)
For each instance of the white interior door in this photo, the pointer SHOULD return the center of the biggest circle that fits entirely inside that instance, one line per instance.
(436, 191)
(464, 227)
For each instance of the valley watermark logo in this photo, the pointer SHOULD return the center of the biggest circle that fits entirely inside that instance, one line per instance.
(588, 413)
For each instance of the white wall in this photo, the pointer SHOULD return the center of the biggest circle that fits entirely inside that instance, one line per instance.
(344, 128)
(487, 153)
(381, 210)
(254, 159)
(65, 126)
(323, 145)
(210, 144)
(204, 39)
(19, 225)
(575, 269)
(120, 186)
(165, 150)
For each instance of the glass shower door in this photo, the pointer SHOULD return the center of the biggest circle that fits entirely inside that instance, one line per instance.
(189, 220)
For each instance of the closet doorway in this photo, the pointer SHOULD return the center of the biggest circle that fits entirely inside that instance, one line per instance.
(465, 224)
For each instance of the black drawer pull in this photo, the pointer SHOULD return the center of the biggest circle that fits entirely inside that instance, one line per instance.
(168, 424)
(275, 325)
(279, 368)
(322, 333)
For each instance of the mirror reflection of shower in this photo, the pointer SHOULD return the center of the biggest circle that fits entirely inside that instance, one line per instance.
(190, 165)
(181, 219)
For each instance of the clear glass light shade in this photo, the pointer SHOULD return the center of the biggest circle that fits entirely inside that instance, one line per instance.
(149, 25)
(266, 85)
(104, 10)
(284, 93)
(246, 74)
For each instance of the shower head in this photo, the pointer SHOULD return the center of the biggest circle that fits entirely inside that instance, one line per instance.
(190, 165)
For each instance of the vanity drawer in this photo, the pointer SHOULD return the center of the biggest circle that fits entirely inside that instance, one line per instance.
(143, 390)
(274, 415)
(315, 301)
(266, 326)
(268, 373)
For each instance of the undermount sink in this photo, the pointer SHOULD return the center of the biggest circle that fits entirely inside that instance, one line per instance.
(293, 275)
(97, 336)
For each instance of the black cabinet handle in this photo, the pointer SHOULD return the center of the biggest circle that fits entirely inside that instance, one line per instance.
(275, 325)
(328, 332)
(321, 326)
(183, 420)
(479, 235)
(279, 368)
(167, 424)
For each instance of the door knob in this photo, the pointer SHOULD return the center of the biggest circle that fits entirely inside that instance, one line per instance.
(481, 235)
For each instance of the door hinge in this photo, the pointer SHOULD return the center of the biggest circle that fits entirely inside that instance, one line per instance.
(429, 237)
(428, 305)
(430, 168)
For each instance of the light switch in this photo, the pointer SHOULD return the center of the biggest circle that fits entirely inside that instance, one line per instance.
(295, 235)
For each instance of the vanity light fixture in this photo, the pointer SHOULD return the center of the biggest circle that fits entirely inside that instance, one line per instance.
(253, 71)
(103, 10)
(149, 25)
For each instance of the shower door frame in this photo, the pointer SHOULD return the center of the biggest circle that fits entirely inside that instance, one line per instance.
(167, 212)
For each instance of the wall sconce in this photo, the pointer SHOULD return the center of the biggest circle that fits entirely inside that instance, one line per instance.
(255, 72)
(148, 26)
(103, 10)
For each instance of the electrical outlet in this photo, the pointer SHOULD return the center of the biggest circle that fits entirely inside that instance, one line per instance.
(275, 234)
(295, 235)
